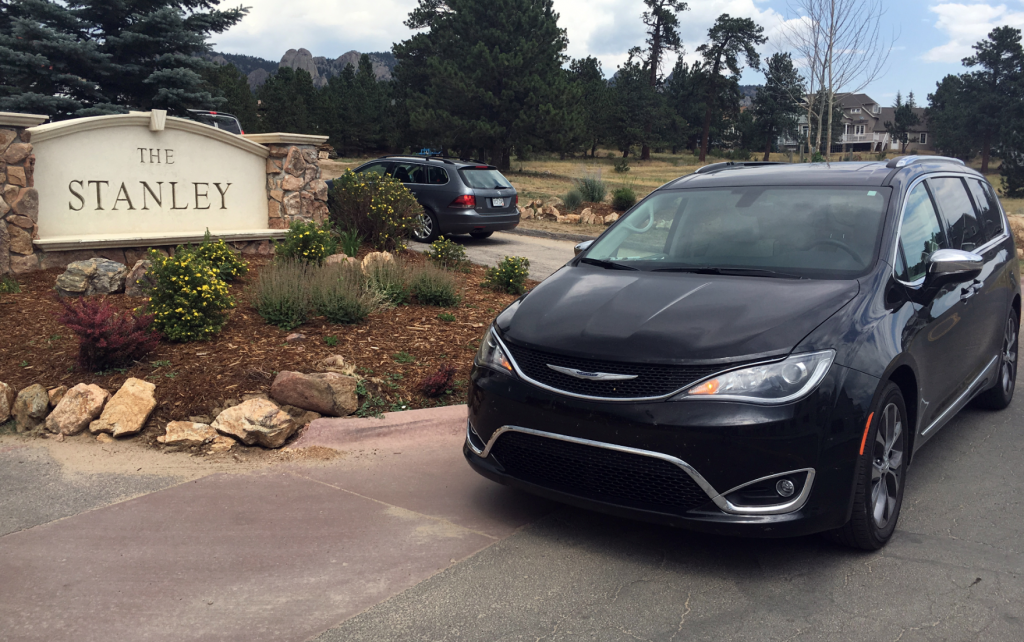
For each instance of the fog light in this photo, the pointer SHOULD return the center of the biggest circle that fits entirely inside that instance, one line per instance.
(785, 488)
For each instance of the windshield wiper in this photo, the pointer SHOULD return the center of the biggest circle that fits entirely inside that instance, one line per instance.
(731, 271)
(608, 265)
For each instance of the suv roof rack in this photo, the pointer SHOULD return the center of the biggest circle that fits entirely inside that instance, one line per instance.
(422, 157)
(733, 164)
(903, 161)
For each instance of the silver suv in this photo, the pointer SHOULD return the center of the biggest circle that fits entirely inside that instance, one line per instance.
(458, 196)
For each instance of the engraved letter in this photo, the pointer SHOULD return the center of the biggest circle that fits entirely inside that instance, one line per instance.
(122, 195)
(205, 194)
(169, 156)
(78, 195)
(223, 192)
(157, 196)
(174, 197)
(142, 155)
(154, 153)
(99, 197)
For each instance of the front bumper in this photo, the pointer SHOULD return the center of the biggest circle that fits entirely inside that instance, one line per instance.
(466, 221)
(722, 446)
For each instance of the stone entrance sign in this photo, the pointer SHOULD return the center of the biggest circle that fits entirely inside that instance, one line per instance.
(112, 186)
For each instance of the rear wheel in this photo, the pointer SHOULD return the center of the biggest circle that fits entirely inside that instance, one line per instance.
(427, 230)
(1000, 395)
(881, 473)
(481, 235)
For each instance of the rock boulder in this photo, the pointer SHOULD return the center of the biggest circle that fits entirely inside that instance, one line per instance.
(7, 396)
(328, 393)
(95, 276)
(137, 282)
(187, 433)
(256, 422)
(30, 408)
(80, 406)
(56, 394)
(128, 410)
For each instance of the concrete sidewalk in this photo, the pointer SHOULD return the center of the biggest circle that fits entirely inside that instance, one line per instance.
(279, 554)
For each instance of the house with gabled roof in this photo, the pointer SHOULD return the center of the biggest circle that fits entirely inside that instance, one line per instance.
(864, 128)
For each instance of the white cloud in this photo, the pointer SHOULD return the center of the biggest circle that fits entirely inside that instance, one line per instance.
(602, 28)
(966, 24)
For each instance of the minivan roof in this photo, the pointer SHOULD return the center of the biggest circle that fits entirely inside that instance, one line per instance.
(872, 173)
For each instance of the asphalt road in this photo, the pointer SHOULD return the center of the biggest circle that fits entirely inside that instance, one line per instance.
(546, 255)
(953, 571)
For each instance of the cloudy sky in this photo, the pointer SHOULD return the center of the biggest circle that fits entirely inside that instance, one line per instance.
(931, 36)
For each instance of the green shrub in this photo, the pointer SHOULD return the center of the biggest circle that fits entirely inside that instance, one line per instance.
(446, 253)
(592, 188)
(388, 281)
(622, 166)
(447, 317)
(9, 285)
(509, 275)
(281, 293)
(572, 199)
(379, 208)
(306, 242)
(623, 198)
(228, 264)
(433, 286)
(349, 242)
(338, 294)
(189, 301)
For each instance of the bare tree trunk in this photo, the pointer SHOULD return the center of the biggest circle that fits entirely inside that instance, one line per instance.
(768, 146)
(645, 150)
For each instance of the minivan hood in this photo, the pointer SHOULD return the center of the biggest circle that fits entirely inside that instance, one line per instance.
(665, 317)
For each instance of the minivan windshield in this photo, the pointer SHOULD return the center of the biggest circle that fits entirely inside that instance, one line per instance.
(484, 178)
(794, 231)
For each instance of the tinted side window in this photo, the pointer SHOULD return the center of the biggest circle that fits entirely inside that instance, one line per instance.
(410, 173)
(988, 208)
(376, 168)
(920, 234)
(962, 224)
(437, 175)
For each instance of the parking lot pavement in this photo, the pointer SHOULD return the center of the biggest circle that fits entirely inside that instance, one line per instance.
(546, 255)
(954, 570)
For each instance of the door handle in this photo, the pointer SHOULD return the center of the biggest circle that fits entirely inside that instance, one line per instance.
(970, 290)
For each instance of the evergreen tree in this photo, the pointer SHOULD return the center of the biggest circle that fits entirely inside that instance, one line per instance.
(228, 83)
(951, 117)
(358, 112)
(635, 105)
(776, 107)
(728, 39)
(586, 74)
(662, 24)
(289, 103)
(997, 85)
(903, 119)
(481, 74)
(684, 106)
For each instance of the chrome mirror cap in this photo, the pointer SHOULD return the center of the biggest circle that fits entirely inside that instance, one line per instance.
(954, 262)
(581, 247)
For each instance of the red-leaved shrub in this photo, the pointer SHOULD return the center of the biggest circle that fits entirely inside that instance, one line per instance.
(438, 383)
(106, 338)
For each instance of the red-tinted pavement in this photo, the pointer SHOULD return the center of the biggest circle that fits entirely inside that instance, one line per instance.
(275, 555)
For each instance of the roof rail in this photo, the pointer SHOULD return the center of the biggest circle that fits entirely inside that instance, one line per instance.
(903, 161)
(733, 164)
(421, 157)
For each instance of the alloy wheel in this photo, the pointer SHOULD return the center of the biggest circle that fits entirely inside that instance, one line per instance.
(1009, 365)
(887, 465)
(424, 226)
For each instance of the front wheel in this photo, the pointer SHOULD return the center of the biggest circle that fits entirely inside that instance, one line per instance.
(881, 476)
(426, 230)
(1000, 395)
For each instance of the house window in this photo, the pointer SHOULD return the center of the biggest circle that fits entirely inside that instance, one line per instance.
(855, 110)
(803, 130)
(875, 109)
(858, 129)
(924, 138)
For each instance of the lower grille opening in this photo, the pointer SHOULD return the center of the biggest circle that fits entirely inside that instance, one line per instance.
(597, 473)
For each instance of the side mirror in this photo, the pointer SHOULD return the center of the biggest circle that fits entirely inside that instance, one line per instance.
(581, 247)
(954, 265)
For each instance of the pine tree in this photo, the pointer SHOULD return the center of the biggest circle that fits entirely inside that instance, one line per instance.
(951, 116)
(289, 103)
(481, 75)
(903, 120)
(777, 105)
(228, 82)
(586, 74)
(997, 86)
(662, 24)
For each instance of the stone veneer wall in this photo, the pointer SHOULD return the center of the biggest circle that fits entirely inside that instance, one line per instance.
(295, 190)
(19, 203)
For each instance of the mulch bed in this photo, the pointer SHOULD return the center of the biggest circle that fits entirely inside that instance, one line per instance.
(243, 359)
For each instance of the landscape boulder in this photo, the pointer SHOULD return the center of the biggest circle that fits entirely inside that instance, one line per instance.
(128, 410)
(611, 218)
(137, 282)
(95, 276)
(187, 433)
(30, 408)
(256, 422)
(328, 393)
(80, 406)
(572, 219)
(56, 394)
(374, 258)
(7, 396)
(587, 216)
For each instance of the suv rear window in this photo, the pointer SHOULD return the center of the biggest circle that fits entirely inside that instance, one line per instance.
(484, 178)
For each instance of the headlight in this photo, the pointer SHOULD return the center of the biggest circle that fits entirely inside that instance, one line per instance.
(780, 382)
(491, 355)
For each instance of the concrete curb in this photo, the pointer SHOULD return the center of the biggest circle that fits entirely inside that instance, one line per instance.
(561, 236)
(339, 433)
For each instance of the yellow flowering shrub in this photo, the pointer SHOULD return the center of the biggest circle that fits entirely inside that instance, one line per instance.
(189, 301)
(307, 243)
(379, 208)
(509, 275)
(228, 263)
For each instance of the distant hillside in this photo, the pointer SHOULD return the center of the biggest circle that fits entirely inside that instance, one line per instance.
(322, 69)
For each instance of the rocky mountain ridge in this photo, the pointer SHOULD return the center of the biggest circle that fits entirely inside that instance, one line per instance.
(322, 69)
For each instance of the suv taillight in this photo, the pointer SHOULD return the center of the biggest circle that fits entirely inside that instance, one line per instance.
(516, 200)
(466, 201)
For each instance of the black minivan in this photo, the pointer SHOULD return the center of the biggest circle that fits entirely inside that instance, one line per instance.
(756, 349)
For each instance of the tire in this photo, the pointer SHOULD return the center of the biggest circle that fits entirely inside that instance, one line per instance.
(1000, 395)
(428, 230)
(481, 235)
(881, 469)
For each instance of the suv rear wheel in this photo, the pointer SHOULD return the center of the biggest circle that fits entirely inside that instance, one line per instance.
(1000, 395)
(427, 230)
